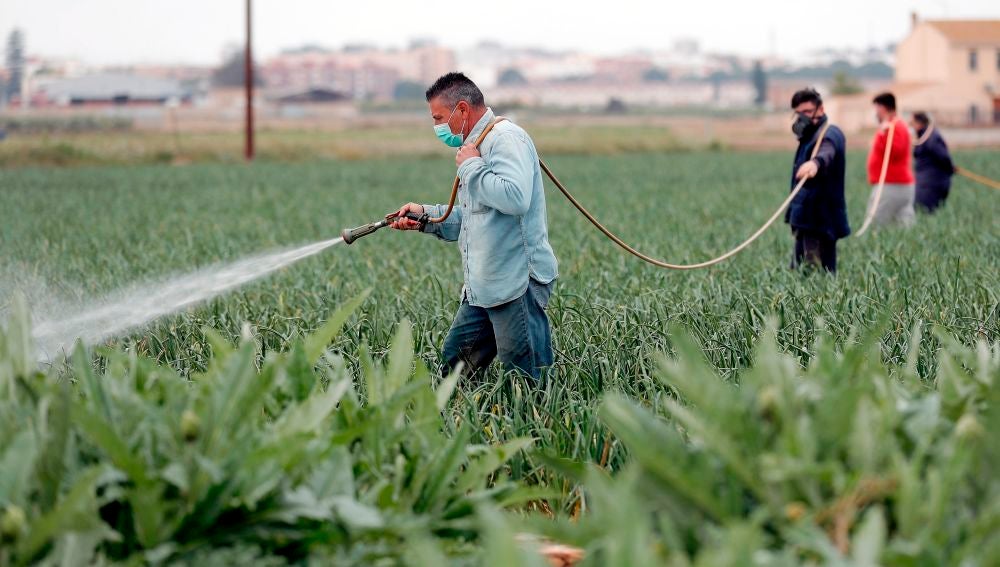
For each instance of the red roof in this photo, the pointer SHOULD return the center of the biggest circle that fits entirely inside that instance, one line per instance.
(969, 31)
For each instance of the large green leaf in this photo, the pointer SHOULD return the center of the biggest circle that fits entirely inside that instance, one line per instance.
(74, 512)
(51, 463)
(659, 450)
(307, 416)
(318, 341)
(99, 432)
(16, 465)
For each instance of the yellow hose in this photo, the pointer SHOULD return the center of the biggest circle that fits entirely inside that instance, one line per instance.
(869, 215)
(978, 178)
(873, 207)
(659, 263)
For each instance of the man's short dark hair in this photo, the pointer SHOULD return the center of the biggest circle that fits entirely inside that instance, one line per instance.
(888, 100)
(455, 87)
(921, 117)
(807, 95)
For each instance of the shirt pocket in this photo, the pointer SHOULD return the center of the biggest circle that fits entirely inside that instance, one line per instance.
(473, 205)
(476, 207)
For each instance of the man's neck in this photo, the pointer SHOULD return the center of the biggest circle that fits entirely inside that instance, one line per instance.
(475, 115)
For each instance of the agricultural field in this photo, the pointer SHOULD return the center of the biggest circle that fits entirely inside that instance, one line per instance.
(370, 138)
(692, 418)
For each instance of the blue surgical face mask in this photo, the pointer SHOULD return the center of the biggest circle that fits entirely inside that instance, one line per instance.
(443, 132)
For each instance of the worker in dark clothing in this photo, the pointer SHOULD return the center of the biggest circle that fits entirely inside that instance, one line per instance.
(933, 164)
(818, 214)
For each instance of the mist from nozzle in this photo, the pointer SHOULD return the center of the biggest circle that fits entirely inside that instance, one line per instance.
(133, 308)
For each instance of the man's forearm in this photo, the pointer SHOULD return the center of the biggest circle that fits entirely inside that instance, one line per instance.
(507, 195)
(824, 157)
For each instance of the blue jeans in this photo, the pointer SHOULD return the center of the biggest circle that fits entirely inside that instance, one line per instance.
(517, 332)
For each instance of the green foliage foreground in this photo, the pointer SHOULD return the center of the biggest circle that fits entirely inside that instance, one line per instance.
(296, 457)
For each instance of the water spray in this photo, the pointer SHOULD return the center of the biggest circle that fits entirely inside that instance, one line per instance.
(133, 308)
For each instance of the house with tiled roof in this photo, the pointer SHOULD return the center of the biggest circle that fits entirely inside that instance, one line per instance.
(951, 68)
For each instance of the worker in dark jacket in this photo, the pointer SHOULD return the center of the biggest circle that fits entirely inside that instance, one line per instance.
(818, 214)
(933, 164)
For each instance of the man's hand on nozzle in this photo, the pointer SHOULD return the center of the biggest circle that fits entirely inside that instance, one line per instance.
(400, 222)
(807, 170)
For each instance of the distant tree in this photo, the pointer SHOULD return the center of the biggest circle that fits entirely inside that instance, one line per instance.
(844, 84)
(15, 63)
(874, 70)
(230, 74)
(870, 70)
(759, 79)
(511, 76)
(615, 106)
(305, 48)
(408, 91)
(716, 79)
(655, 75)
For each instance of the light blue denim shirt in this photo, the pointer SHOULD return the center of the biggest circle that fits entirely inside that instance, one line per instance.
(499, 219)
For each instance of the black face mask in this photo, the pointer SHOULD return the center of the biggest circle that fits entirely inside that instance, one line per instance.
(803, 124)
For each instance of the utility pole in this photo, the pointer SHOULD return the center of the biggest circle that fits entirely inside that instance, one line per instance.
(248, 149)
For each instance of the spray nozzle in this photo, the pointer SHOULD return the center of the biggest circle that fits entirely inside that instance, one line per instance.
(351, 234)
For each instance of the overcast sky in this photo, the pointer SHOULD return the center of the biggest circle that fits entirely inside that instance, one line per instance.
(197, 31)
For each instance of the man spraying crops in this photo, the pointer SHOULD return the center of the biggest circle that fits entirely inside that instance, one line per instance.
(933, 164)
(818, 214)
(889, 163)
(500, 226)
